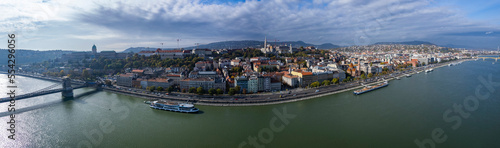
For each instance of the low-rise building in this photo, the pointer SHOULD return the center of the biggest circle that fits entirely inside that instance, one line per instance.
(241, 81)
(275, 85)
(290, 80)
(205, 83)
(253, 84)
(157, 82)
(125, 79)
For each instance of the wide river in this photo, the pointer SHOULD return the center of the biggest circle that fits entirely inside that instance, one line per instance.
(438, 108)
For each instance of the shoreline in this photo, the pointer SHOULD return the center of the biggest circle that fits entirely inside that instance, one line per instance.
(326, 94)
(260, 99)
(228, 103)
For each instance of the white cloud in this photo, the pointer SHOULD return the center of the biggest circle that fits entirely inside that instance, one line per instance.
(345, 22)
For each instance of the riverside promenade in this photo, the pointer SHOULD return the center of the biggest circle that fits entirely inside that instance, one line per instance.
(273, 98)
(263, 98)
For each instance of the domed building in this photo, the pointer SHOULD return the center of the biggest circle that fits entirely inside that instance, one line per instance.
(83, 55)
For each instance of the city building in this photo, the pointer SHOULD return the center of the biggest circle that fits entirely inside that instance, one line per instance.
(290, 80)
(241, 81)
(125, 79)
(253, 84)
(157, 82)
(79, 56)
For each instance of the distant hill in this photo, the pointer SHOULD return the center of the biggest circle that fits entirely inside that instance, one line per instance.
(328, 46)
(405, 43)
(240, 45)
(456, 46)
(32, 56)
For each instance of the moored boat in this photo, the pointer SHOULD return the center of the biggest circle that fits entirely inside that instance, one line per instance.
(370, 88)
(428, 70)
(174, 106)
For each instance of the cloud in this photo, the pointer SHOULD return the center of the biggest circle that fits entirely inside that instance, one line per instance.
(344, 22)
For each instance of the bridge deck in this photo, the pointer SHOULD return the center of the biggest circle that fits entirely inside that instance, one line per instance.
(38, 93)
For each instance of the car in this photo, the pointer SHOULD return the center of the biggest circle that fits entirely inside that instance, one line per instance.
(317, 90)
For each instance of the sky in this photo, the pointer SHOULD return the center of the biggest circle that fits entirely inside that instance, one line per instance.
(118, 25)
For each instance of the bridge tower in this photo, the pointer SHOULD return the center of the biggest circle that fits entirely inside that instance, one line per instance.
(67, 91)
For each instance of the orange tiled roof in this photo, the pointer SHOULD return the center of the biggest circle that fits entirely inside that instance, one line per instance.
(306, 73)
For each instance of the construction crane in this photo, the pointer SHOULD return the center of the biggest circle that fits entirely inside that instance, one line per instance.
(178, 43)
(197, 44)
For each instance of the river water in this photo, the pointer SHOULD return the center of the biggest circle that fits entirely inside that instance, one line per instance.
(407, 110)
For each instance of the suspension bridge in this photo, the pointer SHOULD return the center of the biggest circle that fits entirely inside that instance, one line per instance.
(66, 90)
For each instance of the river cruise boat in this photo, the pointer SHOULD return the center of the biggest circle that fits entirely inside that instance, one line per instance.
(428, 70)
(370, 88)
(173, 106)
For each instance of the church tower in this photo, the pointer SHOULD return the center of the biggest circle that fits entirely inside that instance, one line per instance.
(94, 49)
(265, 42)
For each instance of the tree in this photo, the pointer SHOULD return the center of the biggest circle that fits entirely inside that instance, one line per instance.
(346, 79)
(219, 91)
(237, 88)
(335, 80)
(85, 74)
(183, 90)
(314, 84)
(61, 73)
(232, 91)
(200, 91)
(211, 91)
(370, 75)
(170, 89)
(325, 82)
(151, 88)
(363, 76)
(192, 90)
(244, 91)
(159, 88)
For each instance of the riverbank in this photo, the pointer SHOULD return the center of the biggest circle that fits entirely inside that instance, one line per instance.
(269, 99)
(333, 92)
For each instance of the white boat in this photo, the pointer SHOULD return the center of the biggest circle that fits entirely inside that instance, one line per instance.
(428, 70)
(408, 75)
(173, 106)
(370, 88)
